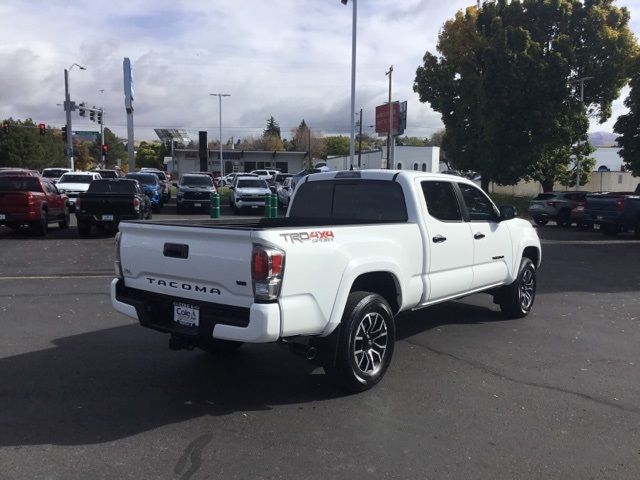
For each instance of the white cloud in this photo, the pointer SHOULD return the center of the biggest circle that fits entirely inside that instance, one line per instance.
(286, 58)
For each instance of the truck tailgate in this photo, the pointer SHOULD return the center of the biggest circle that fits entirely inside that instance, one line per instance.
(203, 264)
(99, 203)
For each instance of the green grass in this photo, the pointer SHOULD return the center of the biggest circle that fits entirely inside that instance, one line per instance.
(521, 203)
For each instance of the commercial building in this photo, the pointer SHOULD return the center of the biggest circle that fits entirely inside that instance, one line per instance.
(425, 159)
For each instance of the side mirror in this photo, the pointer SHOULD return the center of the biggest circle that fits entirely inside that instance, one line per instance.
(507, 212)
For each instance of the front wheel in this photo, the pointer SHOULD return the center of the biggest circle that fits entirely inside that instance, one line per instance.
(40, 227)
(365, 342)
(516, 299)
(540, 221)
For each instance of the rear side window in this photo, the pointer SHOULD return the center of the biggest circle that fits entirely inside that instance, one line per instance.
(374, 201)
(441, 200)
(19, 184)
(106, 186)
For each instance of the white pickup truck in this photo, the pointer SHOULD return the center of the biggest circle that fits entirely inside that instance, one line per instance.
(355, 249)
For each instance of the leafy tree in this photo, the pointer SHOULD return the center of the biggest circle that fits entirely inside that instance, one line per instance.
(24, 147)
(149, 155)
(82, 158)
(271, 142)
(628, 125)
(117, 150)
(337, 145)
(505, 83)
(411, 141)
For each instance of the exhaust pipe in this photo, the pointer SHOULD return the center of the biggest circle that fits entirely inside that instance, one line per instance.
(177, 342)
(302, 350)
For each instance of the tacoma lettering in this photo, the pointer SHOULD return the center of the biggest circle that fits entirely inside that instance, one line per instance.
(182, 286)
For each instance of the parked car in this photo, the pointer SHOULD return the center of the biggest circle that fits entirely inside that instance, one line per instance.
(248, 192)
(194, 192)
(613, 212)
(32, 201)
(265, 174)
(104, 173)
(212, 175)
(164, 182)
(151, 187)
(109, 201)
(54, 174)
(555, 206)
(357, 248)
(278, 180)
(75, 183)
(227, 180)
(284, 193)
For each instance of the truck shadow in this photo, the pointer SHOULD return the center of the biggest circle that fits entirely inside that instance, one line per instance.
(110, 384)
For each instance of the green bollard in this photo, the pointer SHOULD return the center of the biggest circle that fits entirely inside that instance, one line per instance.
(267, 206)
(214, 205)
(274, 205)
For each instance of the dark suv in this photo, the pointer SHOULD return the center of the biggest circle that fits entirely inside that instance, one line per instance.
(556, 206)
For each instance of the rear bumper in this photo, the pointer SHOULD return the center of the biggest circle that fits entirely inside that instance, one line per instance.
(18, 217)
(258, 324)
(97, 219)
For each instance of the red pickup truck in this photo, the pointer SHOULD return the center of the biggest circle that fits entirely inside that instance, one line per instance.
(32, 201)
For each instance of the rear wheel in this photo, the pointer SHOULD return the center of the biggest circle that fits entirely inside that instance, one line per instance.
(610, 229)
(64, 223)
(516, 299)
(365, 342)
(84, 228)
(564, 218)
(540, 221)
(40, 227)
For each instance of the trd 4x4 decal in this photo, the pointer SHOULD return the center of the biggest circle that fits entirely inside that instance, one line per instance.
(313, 237)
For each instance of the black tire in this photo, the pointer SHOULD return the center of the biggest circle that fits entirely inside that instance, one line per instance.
(84, 228)
(156, 208)
(39, 227)
(540, 221)
(516, 300)
(64, 223)
(217, 346)
(13, 226)
(367, 314)
(564, 218)
(610, 229)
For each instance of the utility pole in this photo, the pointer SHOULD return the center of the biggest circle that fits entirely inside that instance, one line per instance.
(68, 107)
(581, 80)
(354, 23)
(390, 128)
(309, 137)
(360, 140)
(103, 157)
(220, 95)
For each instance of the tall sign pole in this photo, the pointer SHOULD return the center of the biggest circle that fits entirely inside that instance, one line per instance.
(220, 95)
(128, 103)
(67, 110)
(390, 128)
(352, 120)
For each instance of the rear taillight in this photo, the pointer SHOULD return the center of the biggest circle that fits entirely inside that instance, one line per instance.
(620, 205)
(136, 204)
(267, 268)
(78, 203)
(117, 264)
(31, 199)
(551, 204)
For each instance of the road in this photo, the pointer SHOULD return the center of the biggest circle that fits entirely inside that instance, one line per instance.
(87, 393)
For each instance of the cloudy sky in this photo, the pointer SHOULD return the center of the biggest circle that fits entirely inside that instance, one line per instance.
(286, 58)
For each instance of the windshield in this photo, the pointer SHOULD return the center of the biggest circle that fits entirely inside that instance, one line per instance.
(144, 178)
(53, 173)
(75, 178)
(196, 181)
(20, 184)
(107, 173)
(110, 186)
(251, 183)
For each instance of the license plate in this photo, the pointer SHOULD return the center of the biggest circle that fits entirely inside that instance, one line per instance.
(3, 216)
(254, 206)
(197, 205)
(107, 218)
(599, 217)
(185, 314)
(596, 226)
(535, 207)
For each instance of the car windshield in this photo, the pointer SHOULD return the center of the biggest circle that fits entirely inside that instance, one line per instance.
(107, 173)
(75, 178)
(53, 173)
(20, 184)
(196, 181)
(110, 186)
(252, 183)
(144, 178)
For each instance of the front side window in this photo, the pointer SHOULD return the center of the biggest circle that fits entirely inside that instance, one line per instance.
(441, 201)
(480, 208)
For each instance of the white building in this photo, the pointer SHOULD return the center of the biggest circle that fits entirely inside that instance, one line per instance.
(425, 159)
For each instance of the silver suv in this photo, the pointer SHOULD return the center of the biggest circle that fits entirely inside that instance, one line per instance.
(556, 206)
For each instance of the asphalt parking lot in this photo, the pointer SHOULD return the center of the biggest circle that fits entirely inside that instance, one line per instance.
(87, 393)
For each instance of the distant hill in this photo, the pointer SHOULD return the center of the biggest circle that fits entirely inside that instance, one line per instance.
(602, 139)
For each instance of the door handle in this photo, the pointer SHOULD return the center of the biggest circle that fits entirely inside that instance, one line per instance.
(439, 239)
(478, 236)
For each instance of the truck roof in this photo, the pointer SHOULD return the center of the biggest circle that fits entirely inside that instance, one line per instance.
(385, 175)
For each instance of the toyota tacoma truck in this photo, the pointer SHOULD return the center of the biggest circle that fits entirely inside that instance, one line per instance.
(355, 249)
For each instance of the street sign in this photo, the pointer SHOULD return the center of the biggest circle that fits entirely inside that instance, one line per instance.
(399, 118)
(85, 133)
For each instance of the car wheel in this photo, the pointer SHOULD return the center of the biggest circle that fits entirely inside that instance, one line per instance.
(564, 218)
(217, 346)
(84, 228)
(64, 223)
(540, 221)
(610, 230)
(516, 299)
(156, 208)
(40, 227)
(13, 226)
(365, 342)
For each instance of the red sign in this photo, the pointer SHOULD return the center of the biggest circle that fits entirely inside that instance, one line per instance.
(382, 118)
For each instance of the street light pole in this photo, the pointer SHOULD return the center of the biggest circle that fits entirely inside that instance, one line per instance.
(352, 141)
(390, 128)
(103, 157)
(581, 80)
(220, 95)
(67, 109)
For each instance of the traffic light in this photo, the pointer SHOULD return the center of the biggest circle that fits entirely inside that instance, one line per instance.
(43, 128)
(64, 134)
(82, 109)
(100, 117)
(105, 148)
(5, 127)
(92, 115)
